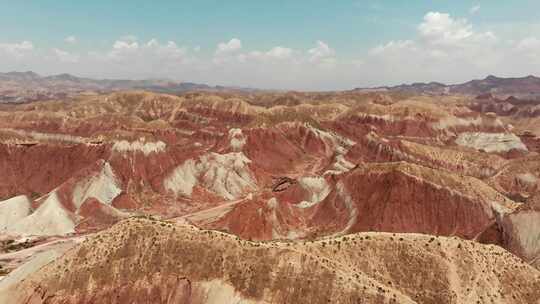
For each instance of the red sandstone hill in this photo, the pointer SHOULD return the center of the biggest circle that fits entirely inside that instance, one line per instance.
(269, 166)
(389, 197)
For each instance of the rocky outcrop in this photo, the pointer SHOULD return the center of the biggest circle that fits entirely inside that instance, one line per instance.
(521, 230)
(283, 183)
(491, 142)
(226, 175)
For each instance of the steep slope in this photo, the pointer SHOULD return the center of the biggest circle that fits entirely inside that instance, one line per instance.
(403, 197)
(226, 175)
(13, 210)
(86, 197)
(160, 262)
(522, 231)
(51, 218)
(38, 169)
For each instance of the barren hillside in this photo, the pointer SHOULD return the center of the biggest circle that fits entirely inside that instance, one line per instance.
(141, 261)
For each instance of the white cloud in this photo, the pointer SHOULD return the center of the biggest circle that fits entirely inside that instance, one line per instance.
(151, 43)
(126, 58)
(17, 49)
(440, 28)
(448, 49)
(152, 52)
(122, 49)
(442, 37)
(279, 52)
(474, 9)
(322, 50)
(275, 53)
(277, 67)
(71, 39)
(393, 46)
(529, 44)
(529, 48)
(227, 47)
(228, 51)
(65, 56)
(126, 45)
(322, 55)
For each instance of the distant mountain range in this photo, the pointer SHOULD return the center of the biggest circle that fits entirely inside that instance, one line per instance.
(30, 86)
(524, 87)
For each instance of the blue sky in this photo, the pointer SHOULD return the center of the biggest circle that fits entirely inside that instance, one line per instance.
(315, 45)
